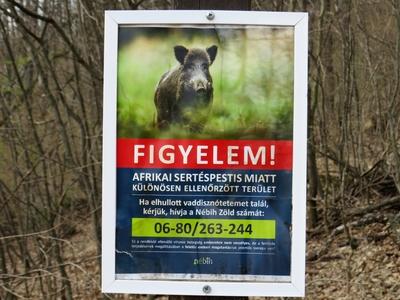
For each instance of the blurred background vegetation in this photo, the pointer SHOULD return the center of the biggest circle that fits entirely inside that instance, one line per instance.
(252, 75)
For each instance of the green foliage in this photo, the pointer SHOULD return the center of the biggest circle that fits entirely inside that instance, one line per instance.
(253, 83)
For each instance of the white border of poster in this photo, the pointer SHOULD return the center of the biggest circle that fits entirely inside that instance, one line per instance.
(296, 286)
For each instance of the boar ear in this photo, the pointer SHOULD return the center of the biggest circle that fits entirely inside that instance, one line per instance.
(180, 53)
(212, 52)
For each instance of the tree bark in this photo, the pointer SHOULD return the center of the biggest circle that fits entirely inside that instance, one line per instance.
(212, 4)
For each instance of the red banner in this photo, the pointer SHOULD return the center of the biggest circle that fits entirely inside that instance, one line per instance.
(204, 154)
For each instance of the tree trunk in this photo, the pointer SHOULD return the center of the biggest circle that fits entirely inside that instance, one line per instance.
(220, 5)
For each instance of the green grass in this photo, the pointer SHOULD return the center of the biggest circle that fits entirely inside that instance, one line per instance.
(253, 85)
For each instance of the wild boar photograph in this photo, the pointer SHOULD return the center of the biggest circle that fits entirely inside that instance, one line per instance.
(187, 90)
(220, 82)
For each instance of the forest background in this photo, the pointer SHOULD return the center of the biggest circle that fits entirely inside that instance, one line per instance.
(51, 62)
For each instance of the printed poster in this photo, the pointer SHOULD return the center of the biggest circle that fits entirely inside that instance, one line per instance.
(204, 152)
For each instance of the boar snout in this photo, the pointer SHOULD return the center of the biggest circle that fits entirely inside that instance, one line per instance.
(200, 85)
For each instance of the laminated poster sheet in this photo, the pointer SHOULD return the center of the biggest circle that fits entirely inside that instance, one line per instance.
(204, 152)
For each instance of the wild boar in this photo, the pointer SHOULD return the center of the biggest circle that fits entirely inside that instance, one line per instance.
(185, 93)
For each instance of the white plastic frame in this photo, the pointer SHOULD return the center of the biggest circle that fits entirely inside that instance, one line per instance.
(296, 287)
